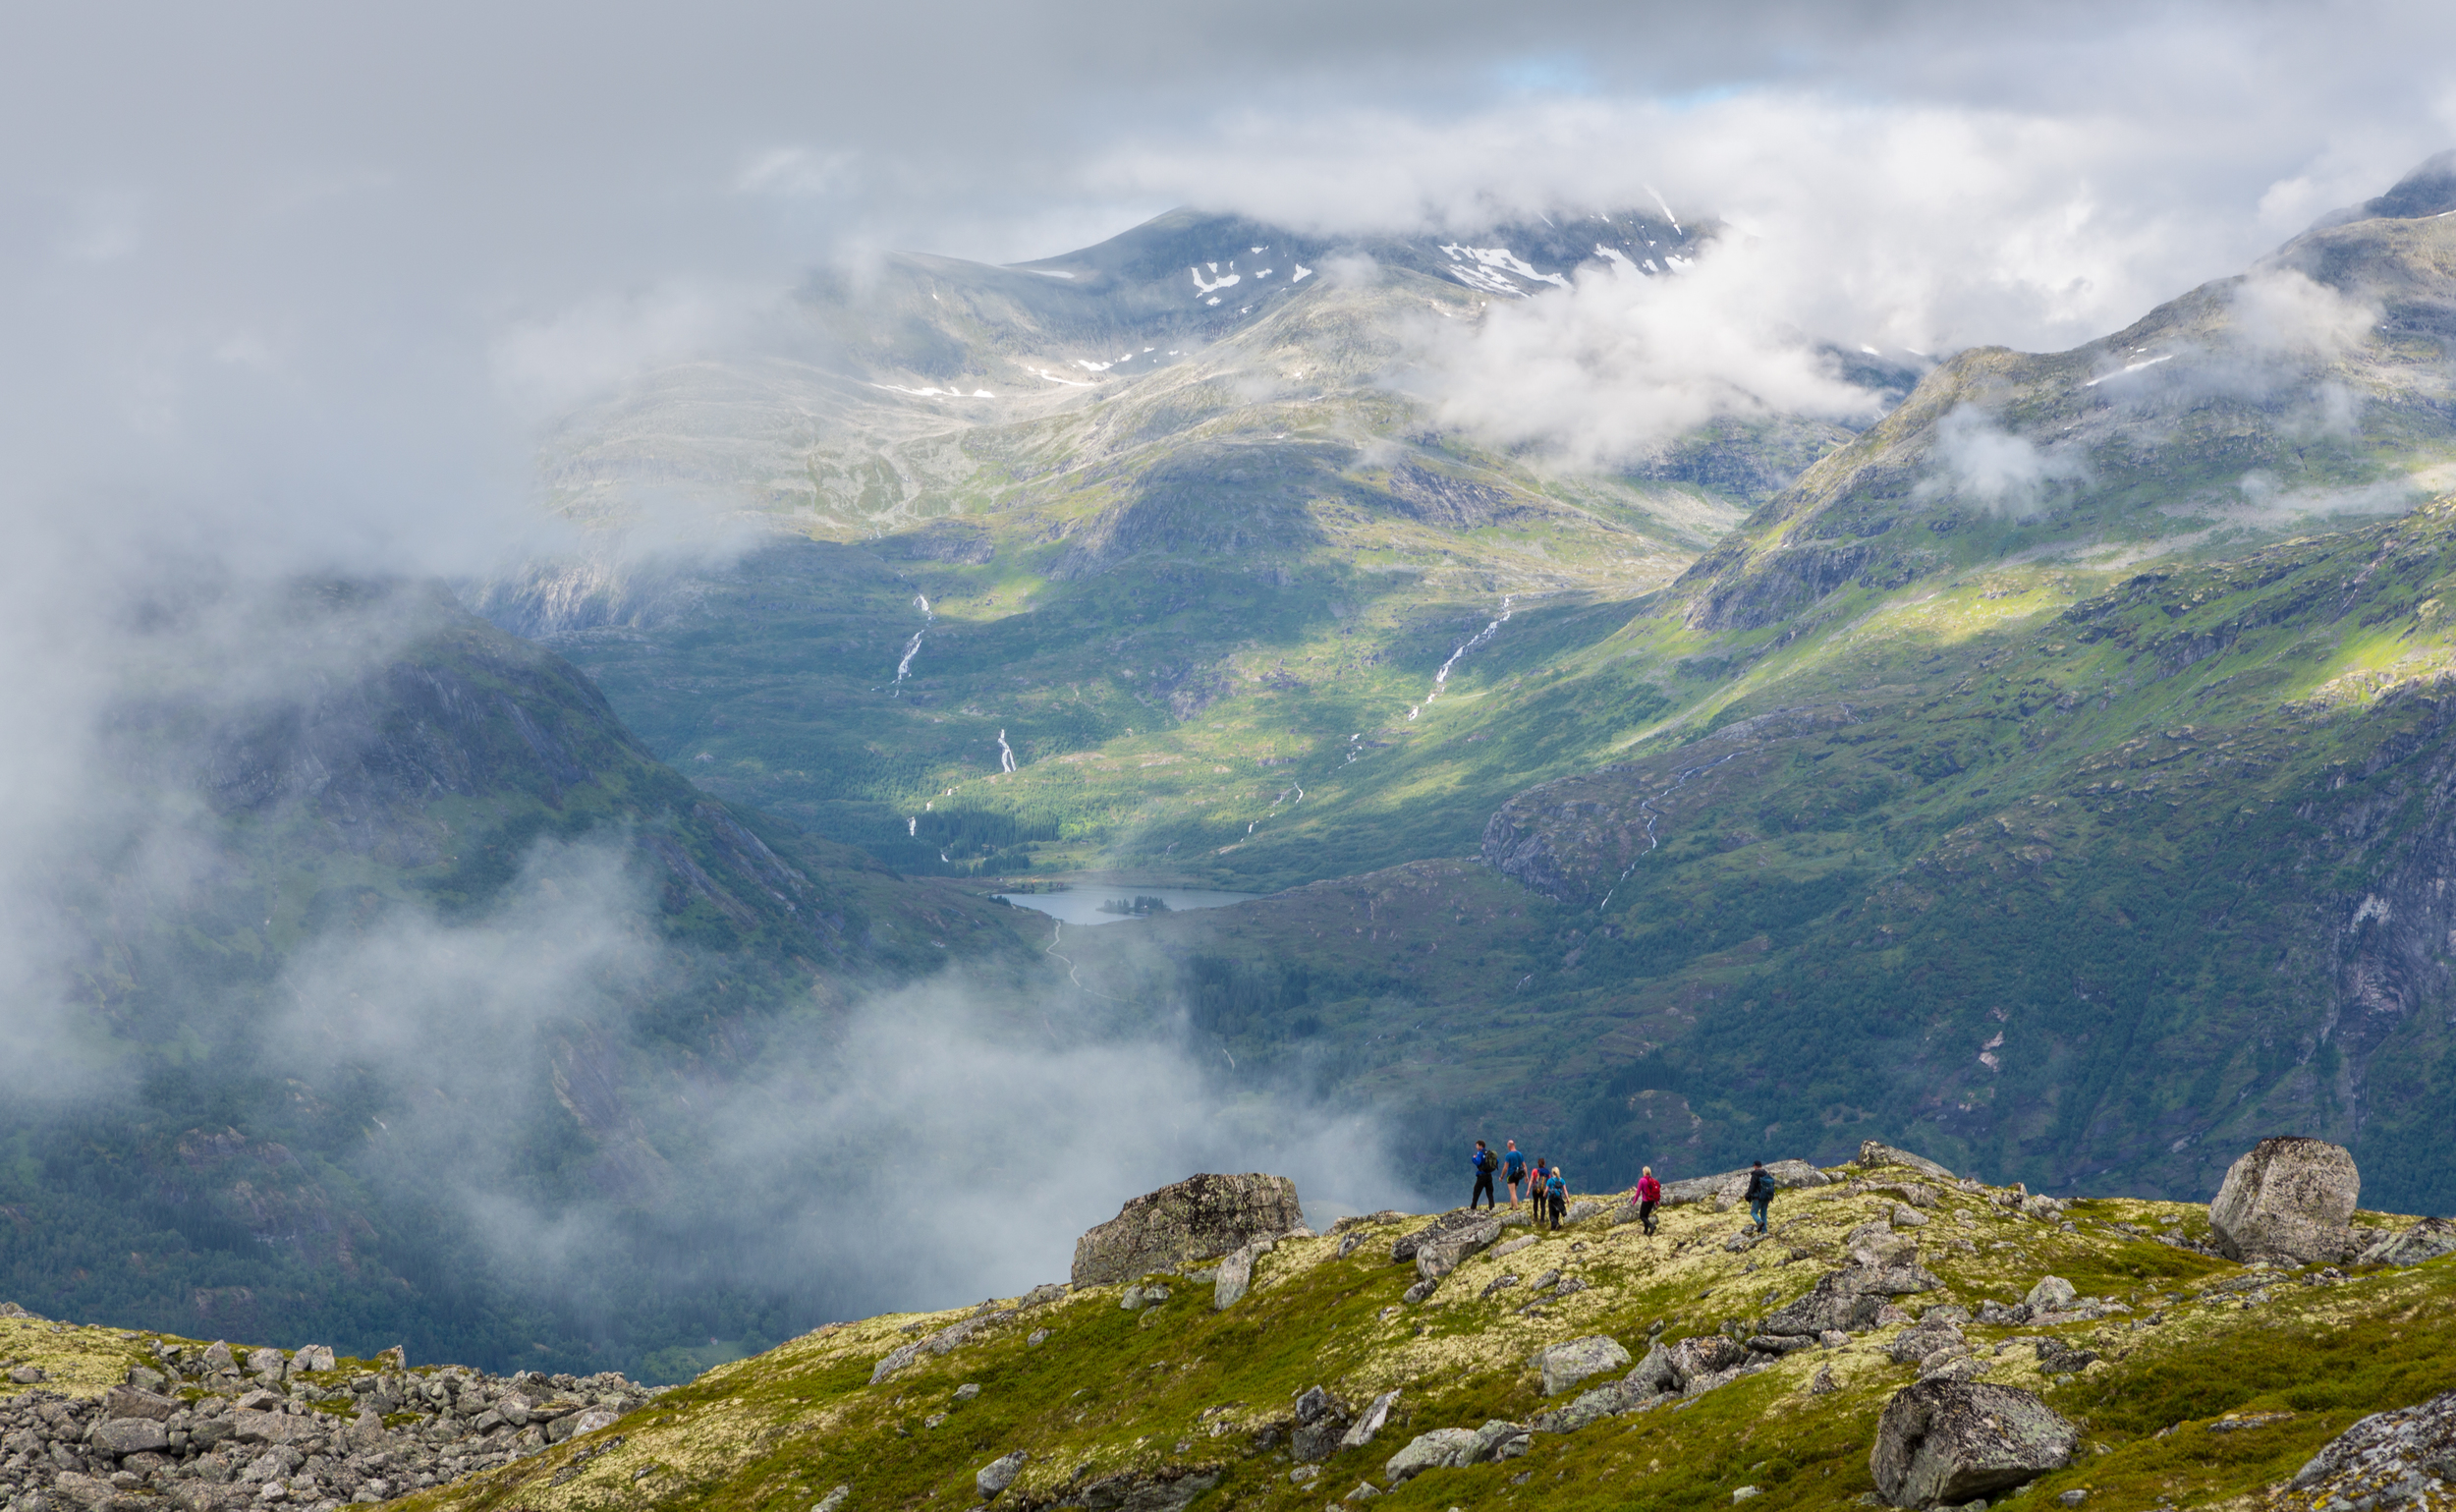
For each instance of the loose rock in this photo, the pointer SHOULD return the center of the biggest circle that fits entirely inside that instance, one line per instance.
(998, 1473)
(1953, 1440)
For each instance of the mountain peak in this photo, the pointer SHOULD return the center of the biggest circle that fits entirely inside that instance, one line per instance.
(2430, 189)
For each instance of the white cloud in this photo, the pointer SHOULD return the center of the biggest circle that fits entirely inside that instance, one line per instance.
(1976, 461)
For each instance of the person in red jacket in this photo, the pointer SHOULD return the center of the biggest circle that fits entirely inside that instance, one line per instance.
(1645, 1194)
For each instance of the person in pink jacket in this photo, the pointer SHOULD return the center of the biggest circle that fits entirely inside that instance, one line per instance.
(1645, 1194)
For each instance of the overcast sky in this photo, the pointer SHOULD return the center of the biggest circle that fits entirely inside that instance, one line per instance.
(267, 259)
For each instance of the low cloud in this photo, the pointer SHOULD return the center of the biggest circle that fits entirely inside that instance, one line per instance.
(1974, 461)
(2283, 312)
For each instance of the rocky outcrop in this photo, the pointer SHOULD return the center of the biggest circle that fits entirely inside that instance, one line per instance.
(1199, 1219)
(1951, 1442)
(202, 1430)
(2288, 1198)
(2427, 1240)
(1441, 1255)
(1788, 1175)
(2389, 1459)
(1874, 1153)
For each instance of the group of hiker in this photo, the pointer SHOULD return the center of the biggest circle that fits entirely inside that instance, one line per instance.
(1548, 1190)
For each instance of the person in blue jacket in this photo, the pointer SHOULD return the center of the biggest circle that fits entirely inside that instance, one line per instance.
(1486, 1163)
(1513, 1171)
(1554, 1199)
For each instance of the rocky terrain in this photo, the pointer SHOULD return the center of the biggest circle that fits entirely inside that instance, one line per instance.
(1903, 1336)
(98, 1419)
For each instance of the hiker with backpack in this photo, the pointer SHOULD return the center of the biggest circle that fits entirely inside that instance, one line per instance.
(1647, 1194)
(1555, 1197)
(1514, 1172)
(1761, 1192)
(1486, 1163)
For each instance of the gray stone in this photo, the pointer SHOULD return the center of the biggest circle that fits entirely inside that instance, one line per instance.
(266, 1362)
(1419, 1291)
(1041, 1295)
(1513, 1246)
(1581, 1211)
(1439, 1449)
(1236, 1273)
(2427, 1240)
(28, 1375)
(1906, 1217)
(1362, 1431)
(217, 1357)
(1403, 1248)
(1953, 1440)
(1494, 1440)
(1780, 1344)
(1872, 1153)
(2051, 1294)
(2288, 1198)
(314, 1357)
(1563, 1366)
(130, 1435)
(998, 1473)
(1198, 1218)
(1164, 1490)
(1912, 1345)
(834, 1499)
(1655, 1373)
(1698, 1360)
(1439, 1255)
(1314, 1442)
(135, 1402)
(1314, 1404)
(968, 1391)
(1838, 1303)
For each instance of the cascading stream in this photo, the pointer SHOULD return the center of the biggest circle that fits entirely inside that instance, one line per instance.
(1006, 753)
(1646, 808)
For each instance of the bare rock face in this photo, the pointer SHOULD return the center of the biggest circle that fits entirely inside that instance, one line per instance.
(2288, 1198)
(1951, 1442)
(1196, 1218)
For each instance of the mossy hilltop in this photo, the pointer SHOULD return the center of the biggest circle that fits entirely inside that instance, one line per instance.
(2215, 1382)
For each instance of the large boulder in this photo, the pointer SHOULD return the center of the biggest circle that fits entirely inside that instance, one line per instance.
(1196, 1218)
(1436, 1450)
(2288, 1199)
(1952, 1442)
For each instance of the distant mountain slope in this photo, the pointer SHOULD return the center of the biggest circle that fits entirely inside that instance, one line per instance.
(387, 910)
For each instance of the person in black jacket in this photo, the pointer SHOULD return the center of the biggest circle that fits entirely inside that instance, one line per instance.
(1486, 1163)
(1760, 1191)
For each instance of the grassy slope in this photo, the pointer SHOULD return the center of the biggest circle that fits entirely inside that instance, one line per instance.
(1183, 1387)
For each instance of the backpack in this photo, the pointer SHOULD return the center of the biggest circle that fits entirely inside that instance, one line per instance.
(1485, 1161)
(1760, 1186)
(1517, 1165)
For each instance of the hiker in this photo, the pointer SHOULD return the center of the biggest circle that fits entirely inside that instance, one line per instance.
(1555, 1195)
(1514, 1172)
(1645, 1194)
(1760, 1191)
(1486, 1163)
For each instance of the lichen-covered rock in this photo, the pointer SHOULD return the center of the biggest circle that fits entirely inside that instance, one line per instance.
(2387, 1459)
(1836, 1304)
(998, 1473)
(2288, 1198)
(1563, 1366)
(1441, 1255)
(1164, 1490)
(1362, 1431)
(2424, 1241)
(1954, 1441)
(130, 1435)
(1198, 1218)
(1440, 1448)
(2051, 1294)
